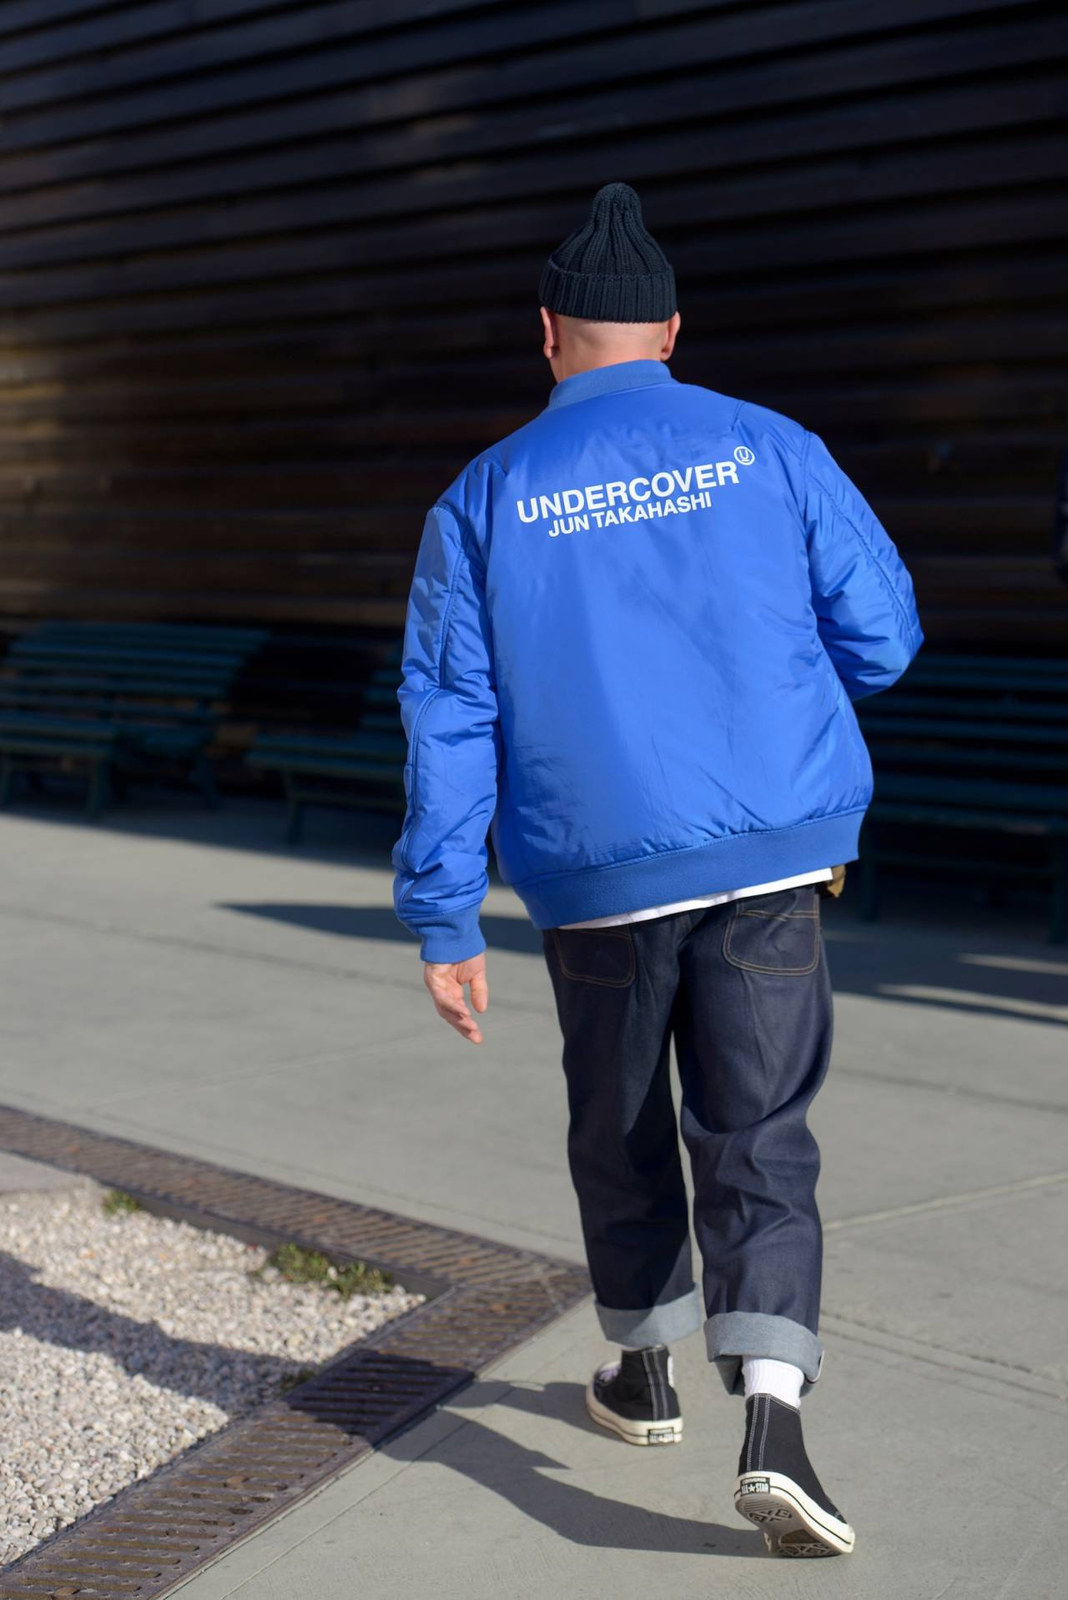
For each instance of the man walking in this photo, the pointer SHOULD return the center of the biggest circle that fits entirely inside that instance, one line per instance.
(634, 633)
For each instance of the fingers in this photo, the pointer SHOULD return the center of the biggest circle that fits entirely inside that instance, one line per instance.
(460, 1018)
(479, 991)
(447, 993)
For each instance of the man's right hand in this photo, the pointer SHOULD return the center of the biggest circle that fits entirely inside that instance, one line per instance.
(446, 979)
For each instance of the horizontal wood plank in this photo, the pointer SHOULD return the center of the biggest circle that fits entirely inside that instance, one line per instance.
(268, 276)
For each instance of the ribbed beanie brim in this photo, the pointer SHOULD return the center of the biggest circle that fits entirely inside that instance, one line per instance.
(611, 269)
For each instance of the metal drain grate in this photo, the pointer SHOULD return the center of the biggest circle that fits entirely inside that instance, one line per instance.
(485, 1299)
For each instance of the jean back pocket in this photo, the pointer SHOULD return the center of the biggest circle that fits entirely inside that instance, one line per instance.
(776, 933)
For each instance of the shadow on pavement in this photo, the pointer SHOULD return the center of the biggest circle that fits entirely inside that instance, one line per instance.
(344, 837)
(936, 944)
(230, 1378)
(518, 1474)
(380, 923)
(886, 960)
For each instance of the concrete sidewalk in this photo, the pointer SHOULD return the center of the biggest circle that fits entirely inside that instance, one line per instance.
(181, 979)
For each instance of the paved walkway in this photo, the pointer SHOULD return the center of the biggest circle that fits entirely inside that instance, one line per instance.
(184, 980)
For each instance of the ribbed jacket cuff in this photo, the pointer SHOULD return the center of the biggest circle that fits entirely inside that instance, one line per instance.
(454, 936)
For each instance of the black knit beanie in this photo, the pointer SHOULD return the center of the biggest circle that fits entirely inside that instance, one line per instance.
(611, 269)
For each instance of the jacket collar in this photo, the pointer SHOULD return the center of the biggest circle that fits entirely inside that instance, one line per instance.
(606, 380)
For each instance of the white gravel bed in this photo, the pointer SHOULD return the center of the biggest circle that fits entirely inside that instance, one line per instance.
(124, 1339)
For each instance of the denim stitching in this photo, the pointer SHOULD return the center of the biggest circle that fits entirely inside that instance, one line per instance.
(609, 983)
(752, 966)
(773, 914)
(650, 1378)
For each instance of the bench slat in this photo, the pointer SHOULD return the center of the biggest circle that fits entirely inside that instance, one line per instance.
(336, 769)
(972, 793)
(959, 817)
(876, 709)
(993, 732)
(892, 756)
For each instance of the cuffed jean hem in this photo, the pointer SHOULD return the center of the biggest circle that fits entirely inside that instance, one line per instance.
(652, 1324)
(730, 1335)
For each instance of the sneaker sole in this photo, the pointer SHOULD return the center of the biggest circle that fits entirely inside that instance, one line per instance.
(792, 1523)
(633, 1431)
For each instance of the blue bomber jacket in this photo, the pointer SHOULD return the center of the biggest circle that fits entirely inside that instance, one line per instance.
(635, 630)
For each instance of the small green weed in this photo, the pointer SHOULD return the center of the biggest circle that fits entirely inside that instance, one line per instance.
(117, 1202)
(297, 1265)
(291, 1380)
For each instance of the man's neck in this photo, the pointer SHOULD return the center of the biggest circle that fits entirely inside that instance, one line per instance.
(608, 358)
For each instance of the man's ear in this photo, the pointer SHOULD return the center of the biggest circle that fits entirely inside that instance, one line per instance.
(551, 344)
(670, 336)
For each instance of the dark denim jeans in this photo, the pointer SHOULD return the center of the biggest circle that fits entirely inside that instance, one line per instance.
(744, 990)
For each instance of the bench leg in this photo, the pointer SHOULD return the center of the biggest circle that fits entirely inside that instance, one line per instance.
(1058, 922)
(869, 884)
(296, 811)
(296, 822)
(204, 778)
(993, 893)
(99, 788)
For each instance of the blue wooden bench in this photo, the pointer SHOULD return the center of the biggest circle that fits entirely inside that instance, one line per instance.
(118, 701)
(362, 769)
(973, 744)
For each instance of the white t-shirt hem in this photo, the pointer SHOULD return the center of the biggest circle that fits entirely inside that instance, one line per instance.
(819, 875)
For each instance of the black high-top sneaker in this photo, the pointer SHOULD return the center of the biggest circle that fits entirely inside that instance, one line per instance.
(777, 1488)
(636, 1397)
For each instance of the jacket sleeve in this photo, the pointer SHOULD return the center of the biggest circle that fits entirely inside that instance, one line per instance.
(861, 590)
(448, 704)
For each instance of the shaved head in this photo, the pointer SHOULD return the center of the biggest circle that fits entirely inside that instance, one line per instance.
(575, 344)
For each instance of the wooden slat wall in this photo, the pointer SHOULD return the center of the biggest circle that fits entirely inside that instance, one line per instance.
(268, 275)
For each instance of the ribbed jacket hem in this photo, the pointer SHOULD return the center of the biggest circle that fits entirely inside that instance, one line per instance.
(733, 862)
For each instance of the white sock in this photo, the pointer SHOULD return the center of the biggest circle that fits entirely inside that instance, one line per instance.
(778, 1378)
